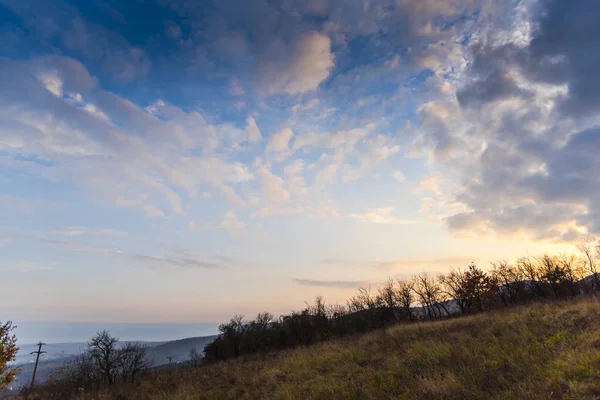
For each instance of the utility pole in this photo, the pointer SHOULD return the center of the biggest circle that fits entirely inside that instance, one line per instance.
(37, 359)
(170, 358)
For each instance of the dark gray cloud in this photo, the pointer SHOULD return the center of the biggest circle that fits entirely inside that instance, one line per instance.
(533, 112)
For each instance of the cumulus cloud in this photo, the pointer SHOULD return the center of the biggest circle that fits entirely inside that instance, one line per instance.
(147, 158)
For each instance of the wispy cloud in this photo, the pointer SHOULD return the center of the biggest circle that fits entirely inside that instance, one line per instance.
(332, 284)
(24, 266)
(5, 238)
(406, 263)
(182, 259)
(178, 261)
(79, 231)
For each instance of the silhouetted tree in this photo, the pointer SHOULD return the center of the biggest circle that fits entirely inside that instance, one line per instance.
(511, 288)
(590, 249)
(430, 294)
(404, 297)
(132, 360)
(195, 357)
(103, 351)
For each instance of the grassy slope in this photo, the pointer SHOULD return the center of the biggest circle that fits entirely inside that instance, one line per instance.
(543, 351)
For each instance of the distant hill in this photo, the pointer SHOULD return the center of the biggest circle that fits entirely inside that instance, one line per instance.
(178, 349)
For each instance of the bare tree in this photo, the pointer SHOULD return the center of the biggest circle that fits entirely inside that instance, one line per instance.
(404, 296)
(590, 248)
(195, 357)
(510, 281)
(234, 332)
(132, 359)
(529, 269)
(430, 295)
(105, 354)
(454, 286)
(387, 299)
(573, 273)
(81, 372)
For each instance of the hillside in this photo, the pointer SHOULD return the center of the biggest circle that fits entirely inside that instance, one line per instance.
(540, 351)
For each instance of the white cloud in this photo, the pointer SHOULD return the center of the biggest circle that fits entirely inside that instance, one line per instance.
(294, 168)
(230, 221)
(152, 211)
(382, 216)
(272, 187)
(123, 154)
(338, 140)
(278, 144)
(252, 131)
(399, 176)
(280, 141)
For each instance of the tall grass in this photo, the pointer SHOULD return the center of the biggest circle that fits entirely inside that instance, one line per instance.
(539, 351)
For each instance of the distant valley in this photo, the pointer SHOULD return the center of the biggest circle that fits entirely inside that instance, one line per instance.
(61, 353)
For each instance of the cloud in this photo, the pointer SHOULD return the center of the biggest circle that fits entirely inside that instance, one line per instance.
(382, 216)
(399, 176)
(415, 264)
(278, 144)
(230, 221)
(153, 158)
(252, 130)
(294, 168)
(79, 231)
(25, 267)
(178, 261)
(64, 24)
(331, 284)
(181, 259)
(5, 238)
(272, 187)
(521, 132)
(308, 64)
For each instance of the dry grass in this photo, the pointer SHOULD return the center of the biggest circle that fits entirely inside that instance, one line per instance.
(542, 351)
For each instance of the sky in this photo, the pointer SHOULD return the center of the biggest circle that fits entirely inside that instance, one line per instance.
(170, 163)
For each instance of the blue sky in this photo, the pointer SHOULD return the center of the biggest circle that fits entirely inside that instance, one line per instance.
(177, 162)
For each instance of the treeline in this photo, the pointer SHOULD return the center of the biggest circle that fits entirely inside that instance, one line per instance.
(423, 297)
(104, 362)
